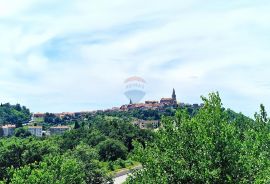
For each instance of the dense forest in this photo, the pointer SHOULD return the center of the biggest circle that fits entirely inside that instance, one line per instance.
(88, 154)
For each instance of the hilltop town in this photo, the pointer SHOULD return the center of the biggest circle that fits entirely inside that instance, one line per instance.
(143, 115)
(147, 105)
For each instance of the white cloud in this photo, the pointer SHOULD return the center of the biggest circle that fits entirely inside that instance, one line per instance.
(75, 55)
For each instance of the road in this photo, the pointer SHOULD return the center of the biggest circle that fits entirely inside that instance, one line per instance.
(120, 179)
(122, 176)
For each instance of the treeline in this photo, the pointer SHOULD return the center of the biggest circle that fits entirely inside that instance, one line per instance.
(149, 114)
(87, 154)
(14, 114)
(214, 146)
(51, 119)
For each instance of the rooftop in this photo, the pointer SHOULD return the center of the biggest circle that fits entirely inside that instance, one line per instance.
(9, 126)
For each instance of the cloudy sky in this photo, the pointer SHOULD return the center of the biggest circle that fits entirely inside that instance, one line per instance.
(75, 55)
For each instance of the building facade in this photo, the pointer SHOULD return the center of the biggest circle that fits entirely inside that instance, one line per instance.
(169, 101)
(8, 130)
(146, 124)
(35, 130)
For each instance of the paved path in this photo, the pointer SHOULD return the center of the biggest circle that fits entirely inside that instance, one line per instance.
(120, 179)
(122, 176)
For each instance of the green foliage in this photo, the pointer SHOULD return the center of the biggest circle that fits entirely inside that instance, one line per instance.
(145, 114)
(78, 156)
(262, 117)
(211, 147)
(111, 150)
(1, 132)
(119, 129)
(14, 114)
(77, 125)
(52, 119)
(22, 132)
(16, 152)
(57, 169)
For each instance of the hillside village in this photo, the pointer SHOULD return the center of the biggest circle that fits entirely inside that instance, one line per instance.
(162, 105)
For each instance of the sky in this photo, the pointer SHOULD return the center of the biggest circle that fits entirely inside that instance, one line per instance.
(59, 56)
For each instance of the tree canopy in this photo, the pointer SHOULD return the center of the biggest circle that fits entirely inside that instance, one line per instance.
(211, 147)
(14, 114)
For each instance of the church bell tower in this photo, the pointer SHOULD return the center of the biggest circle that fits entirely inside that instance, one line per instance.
(174, 95)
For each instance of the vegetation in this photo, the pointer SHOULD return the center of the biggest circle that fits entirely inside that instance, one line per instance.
(14, 114)
(207, 145)
(87, 154)
(214, 146)
(111, 150)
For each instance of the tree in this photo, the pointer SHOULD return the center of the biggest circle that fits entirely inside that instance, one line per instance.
(1, 132)
(89, 157)
(17, 152)
(111, 150)
(262, 116)
(22, 132)
(14, 114)
(77, 125)
(207, 148)
(57, 169)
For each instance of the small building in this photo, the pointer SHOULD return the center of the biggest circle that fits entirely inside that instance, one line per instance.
(151, 102)
(63, 114)
(168, 101)
(124, 108)
(35, 130)
(8, 130)
(146, 124)
(115, 109)
(57, 130)
(39, 115)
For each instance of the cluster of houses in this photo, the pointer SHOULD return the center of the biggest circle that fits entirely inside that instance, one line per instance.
(148, 105)
(9, 130)
(159, 105)
(63, 114)
(154, 105)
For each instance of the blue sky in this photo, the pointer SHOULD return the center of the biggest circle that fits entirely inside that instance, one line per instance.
(75, 55)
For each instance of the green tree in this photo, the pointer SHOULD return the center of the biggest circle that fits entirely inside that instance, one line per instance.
(207, 148)
(111, 150)
(57, 169)
(92, 167)
(76, 125)
(1, 132)
(22, 132)
(262, 116)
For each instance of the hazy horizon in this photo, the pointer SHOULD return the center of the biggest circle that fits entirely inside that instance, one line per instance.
(75, 55)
